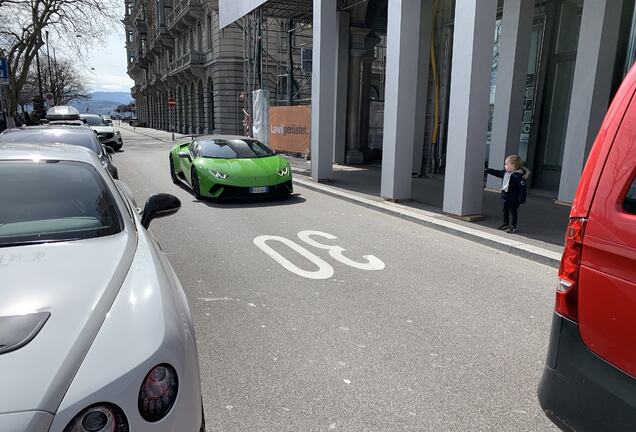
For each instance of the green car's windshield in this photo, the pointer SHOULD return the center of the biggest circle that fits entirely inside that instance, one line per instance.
(51, 201)
(234, 149)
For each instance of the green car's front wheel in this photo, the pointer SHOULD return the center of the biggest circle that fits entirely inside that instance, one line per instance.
(196, 188)
(173, 174)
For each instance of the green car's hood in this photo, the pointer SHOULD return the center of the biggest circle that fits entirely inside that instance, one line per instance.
(257, 167)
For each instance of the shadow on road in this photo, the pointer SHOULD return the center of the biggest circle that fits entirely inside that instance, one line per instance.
(254, 202)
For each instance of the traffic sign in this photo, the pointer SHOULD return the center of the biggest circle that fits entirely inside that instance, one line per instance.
(172, 102)
(4, 71)
(49, 97)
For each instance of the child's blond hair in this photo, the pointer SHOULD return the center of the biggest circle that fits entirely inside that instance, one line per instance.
(515, 160)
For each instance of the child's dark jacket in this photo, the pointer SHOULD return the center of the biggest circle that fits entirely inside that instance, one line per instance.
(512, 197)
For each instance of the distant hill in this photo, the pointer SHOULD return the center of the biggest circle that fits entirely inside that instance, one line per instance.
(119, 97)
(102, 102)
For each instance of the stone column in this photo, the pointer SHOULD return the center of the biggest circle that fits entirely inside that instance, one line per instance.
(342, 69)
(323, 89)
(365, 92)
(403, 47)
(511, 83)
(356, 53)
(469, 101)
(426, 29)
(590, 89)
(206, 105)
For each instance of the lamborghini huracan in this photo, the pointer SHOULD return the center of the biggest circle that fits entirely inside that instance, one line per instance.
(216, 166)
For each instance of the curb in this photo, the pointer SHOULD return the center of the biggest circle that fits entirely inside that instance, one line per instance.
(437, 222)
(150, 136)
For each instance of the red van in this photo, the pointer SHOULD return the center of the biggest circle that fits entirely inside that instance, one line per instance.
(589, 381)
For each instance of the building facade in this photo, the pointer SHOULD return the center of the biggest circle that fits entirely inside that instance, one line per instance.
(452, 86)
(176, 50)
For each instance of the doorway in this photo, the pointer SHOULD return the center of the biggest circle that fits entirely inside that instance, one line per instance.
(563, 22)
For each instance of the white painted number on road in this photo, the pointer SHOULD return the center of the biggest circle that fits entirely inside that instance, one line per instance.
(325, 271)
(337, 252)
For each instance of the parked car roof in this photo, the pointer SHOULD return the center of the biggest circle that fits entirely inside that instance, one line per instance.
(67, 152)
(62, 112)
(43, 135)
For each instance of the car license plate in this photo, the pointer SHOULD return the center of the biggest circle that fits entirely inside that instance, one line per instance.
(259, 190)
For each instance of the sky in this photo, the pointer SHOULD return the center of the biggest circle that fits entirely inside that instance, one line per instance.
(109, 63)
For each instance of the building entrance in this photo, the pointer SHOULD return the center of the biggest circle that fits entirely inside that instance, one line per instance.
(561, 22)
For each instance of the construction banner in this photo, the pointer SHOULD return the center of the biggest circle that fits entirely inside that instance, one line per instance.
(290, 128)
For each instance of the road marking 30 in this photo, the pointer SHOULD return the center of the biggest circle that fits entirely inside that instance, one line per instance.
(325, 270)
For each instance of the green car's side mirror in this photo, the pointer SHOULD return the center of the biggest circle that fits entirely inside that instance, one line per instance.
(184, 155)
(158, 206)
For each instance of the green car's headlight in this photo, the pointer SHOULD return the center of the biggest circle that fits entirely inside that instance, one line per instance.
(218, 174)
(284, 171)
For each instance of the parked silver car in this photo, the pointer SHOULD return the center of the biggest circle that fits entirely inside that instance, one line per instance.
(62, 134)
(95, 330)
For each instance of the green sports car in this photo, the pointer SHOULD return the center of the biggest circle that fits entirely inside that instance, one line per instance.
(216, 166)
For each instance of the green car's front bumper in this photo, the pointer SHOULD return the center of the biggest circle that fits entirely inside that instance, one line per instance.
(243, 187)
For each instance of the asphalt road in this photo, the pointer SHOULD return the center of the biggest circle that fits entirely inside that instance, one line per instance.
(448, 336)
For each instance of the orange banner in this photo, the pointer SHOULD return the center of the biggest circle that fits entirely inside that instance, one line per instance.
(290, 128)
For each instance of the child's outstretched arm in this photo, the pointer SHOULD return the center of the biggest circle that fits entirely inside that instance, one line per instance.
(496, 173)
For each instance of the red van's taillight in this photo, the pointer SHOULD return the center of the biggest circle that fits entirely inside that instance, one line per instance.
(567, 289)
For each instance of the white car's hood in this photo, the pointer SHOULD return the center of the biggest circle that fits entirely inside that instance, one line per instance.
(103, 129)
(76, 282)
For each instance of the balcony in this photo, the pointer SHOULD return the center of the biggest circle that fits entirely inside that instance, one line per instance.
(184, 13)
(187, 63)
(152, 78)
(133, 65)
(162, 39)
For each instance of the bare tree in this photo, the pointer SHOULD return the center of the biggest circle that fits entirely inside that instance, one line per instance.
(68, 82)
(22, 35)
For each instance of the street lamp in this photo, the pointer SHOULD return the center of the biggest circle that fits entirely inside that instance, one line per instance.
(37, 63)
(48, 55)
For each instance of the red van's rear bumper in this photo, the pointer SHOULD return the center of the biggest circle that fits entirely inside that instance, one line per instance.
(581, 392)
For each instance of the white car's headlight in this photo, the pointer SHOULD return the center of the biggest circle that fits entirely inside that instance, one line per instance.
(284, 171)
(158, 392)
(218, 174)
(103, 417)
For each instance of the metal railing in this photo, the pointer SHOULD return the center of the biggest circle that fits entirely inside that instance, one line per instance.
(190, 59)
(179, 8)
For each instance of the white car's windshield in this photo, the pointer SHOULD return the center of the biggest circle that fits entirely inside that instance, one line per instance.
(93, 121)
(54, 201)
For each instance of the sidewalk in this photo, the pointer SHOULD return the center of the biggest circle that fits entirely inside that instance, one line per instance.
(542, 222)
(150, 133)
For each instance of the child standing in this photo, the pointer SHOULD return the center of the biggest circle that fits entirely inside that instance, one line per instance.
(513, 190)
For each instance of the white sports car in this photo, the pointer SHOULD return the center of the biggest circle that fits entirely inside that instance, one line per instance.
(95, 330)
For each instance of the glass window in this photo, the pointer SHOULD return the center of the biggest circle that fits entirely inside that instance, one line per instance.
(54, 201)
(569, 26)
(209, 26)
(93, 120)
(631, 49)
(82, 136)
(233, 149)
(629, 204)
